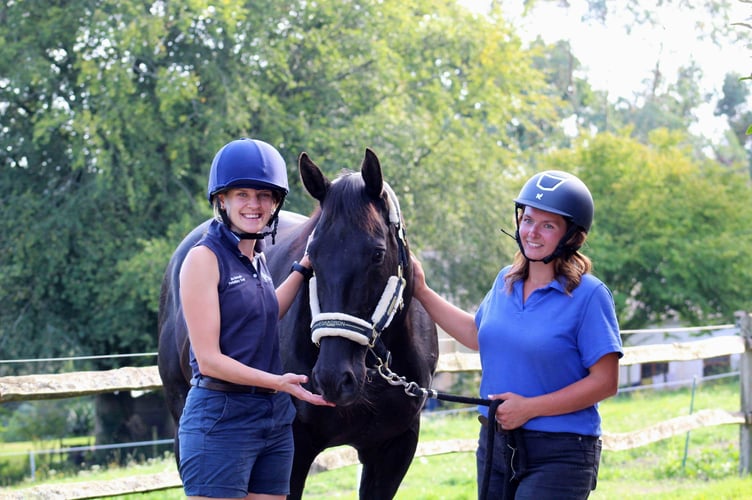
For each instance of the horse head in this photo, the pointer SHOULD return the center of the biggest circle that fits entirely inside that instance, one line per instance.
(361, 261)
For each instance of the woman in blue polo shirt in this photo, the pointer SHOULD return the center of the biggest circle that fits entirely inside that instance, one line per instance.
(235, 431)
(549, 346)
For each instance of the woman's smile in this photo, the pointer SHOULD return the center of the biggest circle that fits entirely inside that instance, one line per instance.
(249, 209)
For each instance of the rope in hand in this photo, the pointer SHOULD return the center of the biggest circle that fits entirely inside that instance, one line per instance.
(490, 434)
(493, 404)
(414, 390)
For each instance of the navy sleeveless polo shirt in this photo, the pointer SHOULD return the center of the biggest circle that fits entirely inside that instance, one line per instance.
(248, 305)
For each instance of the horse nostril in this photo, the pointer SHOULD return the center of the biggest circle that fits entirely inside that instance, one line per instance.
(315, 383)
(338, 387)
(348, 384)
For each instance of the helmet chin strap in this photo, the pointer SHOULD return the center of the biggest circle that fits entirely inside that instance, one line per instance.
(561, 249)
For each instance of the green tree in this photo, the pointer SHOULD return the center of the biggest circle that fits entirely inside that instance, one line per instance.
(86, 156)
(470, 108)
(662, 105)
(734, 105)
(112, 119)
(670, 101)
(670, 232)
(588, 110)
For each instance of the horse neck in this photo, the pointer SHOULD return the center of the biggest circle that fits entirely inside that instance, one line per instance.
(298, 243)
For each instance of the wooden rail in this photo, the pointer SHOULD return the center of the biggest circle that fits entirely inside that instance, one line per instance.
(35, 387)
(67, 385)
(345, 456)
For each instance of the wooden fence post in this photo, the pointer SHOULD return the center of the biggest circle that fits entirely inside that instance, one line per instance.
(745, 380)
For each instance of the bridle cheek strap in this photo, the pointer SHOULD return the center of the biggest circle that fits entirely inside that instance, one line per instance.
(390, 301)
(351, 327)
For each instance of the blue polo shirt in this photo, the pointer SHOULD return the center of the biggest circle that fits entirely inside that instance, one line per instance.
(547, 343)
(248, 306)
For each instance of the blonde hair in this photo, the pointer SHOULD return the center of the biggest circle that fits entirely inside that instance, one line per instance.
(217, 209)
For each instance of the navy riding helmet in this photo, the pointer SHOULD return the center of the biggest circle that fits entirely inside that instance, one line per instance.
(560, 193)
(248, 163)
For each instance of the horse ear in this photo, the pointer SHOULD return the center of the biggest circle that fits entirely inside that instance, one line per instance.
(371, 172)
(313, 180)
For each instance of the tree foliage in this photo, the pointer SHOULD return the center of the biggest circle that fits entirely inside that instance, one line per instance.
(111, 112)
(734, 106)
(670, 235)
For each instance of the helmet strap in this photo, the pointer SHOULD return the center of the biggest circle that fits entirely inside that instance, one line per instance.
(562, 249)
(254, 236)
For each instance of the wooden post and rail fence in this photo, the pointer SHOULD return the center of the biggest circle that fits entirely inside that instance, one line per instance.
(55, 386)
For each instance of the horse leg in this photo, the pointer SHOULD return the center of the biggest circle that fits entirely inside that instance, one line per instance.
(305, 453)
(385, 466)
(179, 403)
(172, 358)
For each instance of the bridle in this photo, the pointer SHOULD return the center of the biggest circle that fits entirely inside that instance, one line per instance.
(366, 333)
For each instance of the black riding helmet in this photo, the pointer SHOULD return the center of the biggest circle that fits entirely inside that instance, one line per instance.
(248, 163)
(560, 193)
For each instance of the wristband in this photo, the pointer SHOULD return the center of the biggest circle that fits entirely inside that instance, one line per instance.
(306, 272)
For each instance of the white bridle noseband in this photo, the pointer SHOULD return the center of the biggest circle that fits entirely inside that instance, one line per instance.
(333, 324)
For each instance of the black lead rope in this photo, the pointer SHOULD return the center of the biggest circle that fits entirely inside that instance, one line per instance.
(450, 397)
(490, 434)
(492, 404)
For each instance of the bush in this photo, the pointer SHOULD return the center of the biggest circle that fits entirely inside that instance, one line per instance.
(49, 419)
(13, 469)
(705, 464)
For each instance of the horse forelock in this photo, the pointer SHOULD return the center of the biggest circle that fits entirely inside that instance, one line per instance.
(347, 201)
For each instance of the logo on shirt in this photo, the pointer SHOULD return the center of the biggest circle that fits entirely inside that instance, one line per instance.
(236, 280)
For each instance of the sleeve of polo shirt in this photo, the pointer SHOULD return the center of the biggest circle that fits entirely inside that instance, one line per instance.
(599, 330)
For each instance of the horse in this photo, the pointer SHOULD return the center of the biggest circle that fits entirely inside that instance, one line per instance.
(354, 331)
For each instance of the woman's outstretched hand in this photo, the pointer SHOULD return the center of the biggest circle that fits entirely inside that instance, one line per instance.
(292, 384)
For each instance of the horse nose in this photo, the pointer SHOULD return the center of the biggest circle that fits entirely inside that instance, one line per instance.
(340, 388)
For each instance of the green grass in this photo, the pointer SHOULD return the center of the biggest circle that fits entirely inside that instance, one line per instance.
(657, 471)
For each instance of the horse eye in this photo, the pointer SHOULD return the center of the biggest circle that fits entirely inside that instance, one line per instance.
(378, 256)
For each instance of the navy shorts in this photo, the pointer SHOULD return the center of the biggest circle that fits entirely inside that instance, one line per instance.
(232, 444)
(540, 465)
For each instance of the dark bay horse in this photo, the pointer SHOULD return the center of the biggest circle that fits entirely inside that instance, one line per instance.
(355, 331)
